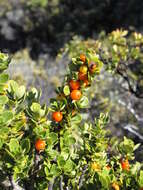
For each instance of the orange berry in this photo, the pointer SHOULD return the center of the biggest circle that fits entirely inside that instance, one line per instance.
(40, 145)
(115, 186)
(82, 76)
(57, 116)
(125, 165)
(92, 68)
(85, 82)
(74, 85)
(82, 58)
(83, 69)
(75, 94)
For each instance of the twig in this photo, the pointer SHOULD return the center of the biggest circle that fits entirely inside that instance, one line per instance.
(126, 78)
(14, 185)
(82, 176)
(50, 186)
(61, 183)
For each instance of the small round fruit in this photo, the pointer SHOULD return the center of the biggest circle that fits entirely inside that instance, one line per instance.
(115, 186)
(82, 76)
(95, 166)
(75, 94)
(125, 165)
(82, 58)
(40, 145)
(57, 116)
(83, 69)
(92, 68)
(85, 83)
(75, 85)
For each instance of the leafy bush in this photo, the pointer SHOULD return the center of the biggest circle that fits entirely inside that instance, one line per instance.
(62, 153)
(121, 52)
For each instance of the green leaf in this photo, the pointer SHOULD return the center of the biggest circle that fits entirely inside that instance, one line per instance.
(41, 112)
(1, 142)
(20, 92)
(4, 131)
(54, 137)
(14, 146)
(61, 161)
(76, 119)
(83, 102)
(127, 146)
(141, 179)
(35, 107)
(7, 115)
(4, 78)
(65, 152)
(104, 179)
(25, 144)
(135, 168)
(136, 146)
(55, 171)
(13, 86)
(4, 61)
(15, 90)
(46, 171)
(69, 166)
(70, 141)
(66, 90)
(3, 100)
(52, 154)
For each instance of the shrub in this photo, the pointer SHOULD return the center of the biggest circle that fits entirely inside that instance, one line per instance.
(62, 153)
(121, 52)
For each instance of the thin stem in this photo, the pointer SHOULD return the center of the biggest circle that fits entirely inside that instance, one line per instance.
(61, 183)
(82, 176)
(14, 185)
(50, 186)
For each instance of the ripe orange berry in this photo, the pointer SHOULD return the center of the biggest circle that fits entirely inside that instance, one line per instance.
(83, 69)
(82, 76)
(85, 82)
(95, 166)
(57, 116)
(75, 94)
(82, 58)
(74, 85)
(92, 68)
(40, 145)
(125, 165)
(115, 186)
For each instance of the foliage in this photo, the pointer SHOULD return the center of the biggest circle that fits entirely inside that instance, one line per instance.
(42, 23)
(74, 154)
(121, 53)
